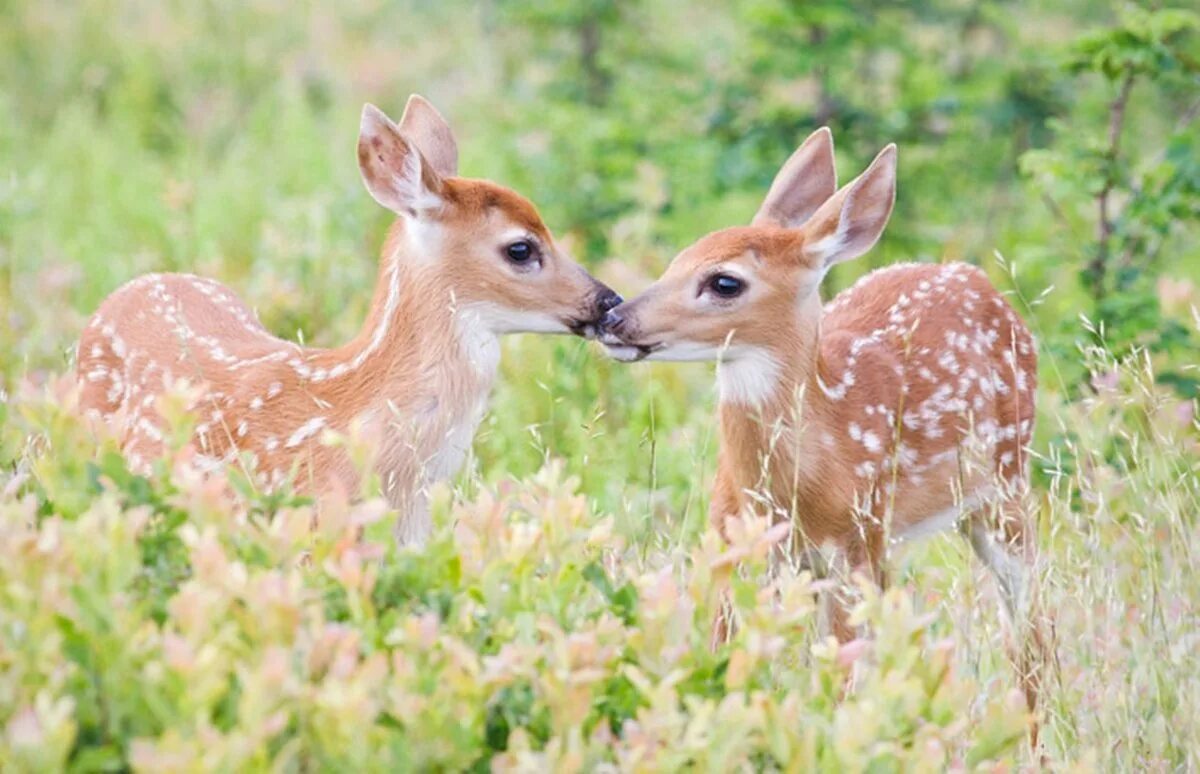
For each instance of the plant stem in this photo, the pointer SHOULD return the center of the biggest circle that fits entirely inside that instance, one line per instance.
(1104, 222)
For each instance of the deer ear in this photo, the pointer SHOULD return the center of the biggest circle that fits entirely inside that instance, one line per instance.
(392, 168)
(852, 220)
(802, 184)
(425, 127)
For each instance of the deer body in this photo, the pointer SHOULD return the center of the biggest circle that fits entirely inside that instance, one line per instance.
(915, 399)
(903, 407)
(415, 379)
(418, 375)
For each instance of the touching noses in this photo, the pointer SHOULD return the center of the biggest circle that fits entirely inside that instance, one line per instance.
(608, 300)
(612, 321)
(605, 303)
(605, 299)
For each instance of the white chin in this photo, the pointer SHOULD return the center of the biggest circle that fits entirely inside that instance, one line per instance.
(623, 353)
(501, 320)
(685, 351)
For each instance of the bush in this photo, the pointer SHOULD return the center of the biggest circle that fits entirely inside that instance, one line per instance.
(525, 634)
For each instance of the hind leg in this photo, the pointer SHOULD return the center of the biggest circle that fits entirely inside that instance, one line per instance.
(1003, 537)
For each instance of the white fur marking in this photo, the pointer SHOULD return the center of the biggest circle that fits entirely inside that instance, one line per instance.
(748, 378)
(478, 340)
(305, 431)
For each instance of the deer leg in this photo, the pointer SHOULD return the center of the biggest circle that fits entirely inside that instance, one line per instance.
(866, 558)
(723, 626)
(1004, 540)
(414, 522)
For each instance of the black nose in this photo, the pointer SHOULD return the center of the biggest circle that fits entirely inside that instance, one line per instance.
(608, 299)
(612, 322)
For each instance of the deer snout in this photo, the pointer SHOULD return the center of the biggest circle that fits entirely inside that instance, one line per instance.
(605, 298)
(612, 322)
(619, 336)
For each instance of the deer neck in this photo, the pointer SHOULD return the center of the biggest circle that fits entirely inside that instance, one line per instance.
(772, 408)
(422, 355)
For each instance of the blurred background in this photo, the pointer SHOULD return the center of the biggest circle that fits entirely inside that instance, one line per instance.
(1054, 143)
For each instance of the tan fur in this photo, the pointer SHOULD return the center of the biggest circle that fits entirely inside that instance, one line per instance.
(909, 397)
(417, 376)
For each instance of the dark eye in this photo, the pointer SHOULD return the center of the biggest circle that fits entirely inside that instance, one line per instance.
(520, 251)
(726, 286)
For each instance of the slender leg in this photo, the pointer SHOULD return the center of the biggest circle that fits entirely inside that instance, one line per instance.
(1003, 538)
(414, 523)
(722, 625)
(866, 558)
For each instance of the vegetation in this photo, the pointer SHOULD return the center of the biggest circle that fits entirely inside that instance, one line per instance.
(560, 616)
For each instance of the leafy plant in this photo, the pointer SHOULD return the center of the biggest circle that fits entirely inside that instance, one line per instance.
(1143, 196)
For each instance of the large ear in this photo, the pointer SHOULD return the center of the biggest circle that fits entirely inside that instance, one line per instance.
(392, 168)
(425, 127)
(850, 223)
(802, 185)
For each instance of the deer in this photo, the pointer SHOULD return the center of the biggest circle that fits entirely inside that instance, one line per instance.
(464, 262)
(903, 407)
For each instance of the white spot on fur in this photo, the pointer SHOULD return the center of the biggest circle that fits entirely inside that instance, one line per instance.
(865, 469)
(305, 431)
(149, 429)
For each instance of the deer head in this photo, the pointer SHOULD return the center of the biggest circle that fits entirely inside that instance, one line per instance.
(480, 241)
(743, 291)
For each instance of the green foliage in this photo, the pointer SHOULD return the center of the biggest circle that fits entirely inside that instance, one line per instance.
(1145, 42)
(513, 633)
(1146, 191)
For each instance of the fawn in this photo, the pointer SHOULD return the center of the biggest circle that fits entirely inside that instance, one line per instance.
(904, 406)
(465, 261)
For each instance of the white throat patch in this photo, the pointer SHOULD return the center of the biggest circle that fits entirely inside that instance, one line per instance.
(479, 342)
(748, 378)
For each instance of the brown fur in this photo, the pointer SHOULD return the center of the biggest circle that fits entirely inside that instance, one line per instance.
(909, 396)
(416, 376)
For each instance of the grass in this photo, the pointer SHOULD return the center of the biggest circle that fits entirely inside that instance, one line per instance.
(173, 621)
(560, 616)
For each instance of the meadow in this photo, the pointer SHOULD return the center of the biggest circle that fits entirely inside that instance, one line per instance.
(559, 619)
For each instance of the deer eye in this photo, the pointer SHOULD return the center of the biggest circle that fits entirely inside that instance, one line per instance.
(520, 251)
(726, 286)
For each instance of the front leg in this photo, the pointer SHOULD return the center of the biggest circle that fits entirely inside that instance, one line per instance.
(723, 505)
(725, 502)
(410, 499)
(414, 523)
(863, 555)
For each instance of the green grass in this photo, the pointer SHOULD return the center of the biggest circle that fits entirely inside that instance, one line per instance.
(560, 616)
